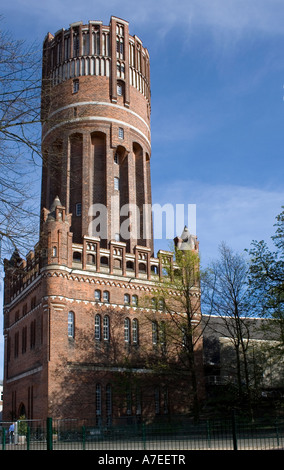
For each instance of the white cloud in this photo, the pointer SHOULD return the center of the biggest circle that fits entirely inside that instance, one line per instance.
(234, 214)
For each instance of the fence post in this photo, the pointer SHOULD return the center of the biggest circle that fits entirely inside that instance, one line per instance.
(234, 427)
(28, 437)
(208, 433)
(144, 435)
(49, 433)
(84, 437)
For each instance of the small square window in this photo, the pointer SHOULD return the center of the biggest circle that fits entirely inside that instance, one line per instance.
(121, 133)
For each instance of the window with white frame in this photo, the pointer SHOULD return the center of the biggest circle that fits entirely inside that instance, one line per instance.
(106, 328)
(97, 327)
(135, 331)
(127, 330)
(71, 324)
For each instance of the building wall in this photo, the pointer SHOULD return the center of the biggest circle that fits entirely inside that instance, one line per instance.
(54, 364)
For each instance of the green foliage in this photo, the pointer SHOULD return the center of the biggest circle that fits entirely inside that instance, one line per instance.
(266, 276)
(22, 426)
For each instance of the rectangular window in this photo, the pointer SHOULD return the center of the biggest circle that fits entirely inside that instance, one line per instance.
(98, 327)
(75, 86)
(78, 209)
(106, 296)
(32, 334)
(121, 133)
(154, 332)
(24, 339)
(116, 184)
(106, 328)
(16, 344)
(71, 325)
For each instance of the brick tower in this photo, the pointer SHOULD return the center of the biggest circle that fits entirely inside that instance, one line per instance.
(72, 322)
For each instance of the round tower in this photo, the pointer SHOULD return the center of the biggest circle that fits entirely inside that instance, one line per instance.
(96, 140)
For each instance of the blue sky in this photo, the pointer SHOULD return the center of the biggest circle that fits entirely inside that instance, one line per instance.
(217, 76)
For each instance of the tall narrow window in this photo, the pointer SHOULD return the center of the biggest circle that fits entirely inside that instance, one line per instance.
(121, 133)
(32, 334)
(127, 330)
(71, 324)
(75, 86)
(78, 209)
(116, 184)
(108, 404)
(97, 327)
(106, 328)
(154, 332)
(98, 400)
(135, 331)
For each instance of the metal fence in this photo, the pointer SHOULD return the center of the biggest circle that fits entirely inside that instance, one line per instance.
(178, 434)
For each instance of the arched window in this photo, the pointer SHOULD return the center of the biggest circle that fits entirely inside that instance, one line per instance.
(130, 265)
(97, 295)
(106, 296)
(106, 328)
(77, 256)
(104, 260)
(98, 327)
(71, 324)
(142, 268)
(134, 300)
(135, 331)
(127, 330)
(126, 299)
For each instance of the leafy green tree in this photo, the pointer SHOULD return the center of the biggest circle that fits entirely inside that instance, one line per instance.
(266, 279)
(178, 333)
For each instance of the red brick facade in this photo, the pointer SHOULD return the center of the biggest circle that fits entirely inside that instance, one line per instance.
(77, 341)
